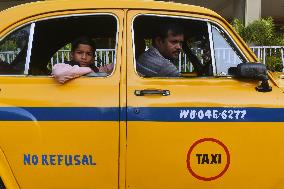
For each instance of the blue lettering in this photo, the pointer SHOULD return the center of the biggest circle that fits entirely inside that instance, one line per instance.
(27, 159)
(60, 159)
(91, 160)
(68, 157)
(44, 160)
(52, 159)
(35, 159)
(183, 114)
(85, 160)
(77, 159)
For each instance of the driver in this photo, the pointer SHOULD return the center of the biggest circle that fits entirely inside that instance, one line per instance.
(157, 60)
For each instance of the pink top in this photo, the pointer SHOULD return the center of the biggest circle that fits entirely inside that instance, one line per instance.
(65, 72)
(107, 68)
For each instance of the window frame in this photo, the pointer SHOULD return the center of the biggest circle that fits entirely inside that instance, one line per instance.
(210, 24)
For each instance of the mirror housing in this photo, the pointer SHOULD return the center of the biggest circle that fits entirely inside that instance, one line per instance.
(255, 71)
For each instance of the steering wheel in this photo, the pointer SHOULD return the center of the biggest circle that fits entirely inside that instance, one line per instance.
(201, 69)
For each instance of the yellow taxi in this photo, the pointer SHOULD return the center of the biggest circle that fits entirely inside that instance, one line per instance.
(219, 128)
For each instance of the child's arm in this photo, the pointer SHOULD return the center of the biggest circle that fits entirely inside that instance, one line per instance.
(65, 72)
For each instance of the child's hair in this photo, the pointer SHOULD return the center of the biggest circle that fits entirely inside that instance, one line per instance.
(83, 40)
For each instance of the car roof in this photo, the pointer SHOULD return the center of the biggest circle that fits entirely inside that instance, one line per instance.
(20, 12)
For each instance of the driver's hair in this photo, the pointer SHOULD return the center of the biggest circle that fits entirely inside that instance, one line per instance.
(163, 28)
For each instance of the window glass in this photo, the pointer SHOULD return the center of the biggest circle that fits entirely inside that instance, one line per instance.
(225, 55)
(13, 52)
(53, 40)
(191, 55)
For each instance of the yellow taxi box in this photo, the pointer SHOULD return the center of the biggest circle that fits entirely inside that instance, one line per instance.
(215, 127)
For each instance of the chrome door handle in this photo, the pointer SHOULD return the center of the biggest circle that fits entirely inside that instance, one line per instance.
(152, 92)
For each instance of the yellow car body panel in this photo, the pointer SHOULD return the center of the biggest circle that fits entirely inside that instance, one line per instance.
(208, 133)
(48, 7)
(60, 139)
(37, 138)
(6, 172)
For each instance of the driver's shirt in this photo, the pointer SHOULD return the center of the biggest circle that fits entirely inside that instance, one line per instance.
(152, 64)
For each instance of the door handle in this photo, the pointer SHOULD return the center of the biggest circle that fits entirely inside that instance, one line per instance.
(152, 92)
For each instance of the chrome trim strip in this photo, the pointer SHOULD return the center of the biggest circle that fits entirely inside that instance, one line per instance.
(29, 50)
(213, 61)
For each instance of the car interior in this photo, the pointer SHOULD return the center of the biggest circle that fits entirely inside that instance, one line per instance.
(195, 60)
(52, 35)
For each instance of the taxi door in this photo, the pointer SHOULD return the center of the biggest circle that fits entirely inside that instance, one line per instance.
(61, 136)
(199, 132)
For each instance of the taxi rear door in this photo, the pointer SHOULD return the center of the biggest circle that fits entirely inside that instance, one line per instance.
(61, 136)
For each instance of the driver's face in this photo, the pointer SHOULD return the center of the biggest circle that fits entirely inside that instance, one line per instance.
(171, 46)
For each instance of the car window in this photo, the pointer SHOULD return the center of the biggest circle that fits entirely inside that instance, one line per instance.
(13, 52)
(53, 37)
(226, 55)
(195, 57)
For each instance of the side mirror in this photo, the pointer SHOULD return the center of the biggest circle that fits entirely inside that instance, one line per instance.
(256, 71)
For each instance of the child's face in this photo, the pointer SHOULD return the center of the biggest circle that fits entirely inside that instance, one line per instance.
(83, 54)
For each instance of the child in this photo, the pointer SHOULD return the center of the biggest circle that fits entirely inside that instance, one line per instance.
(82, 61)
(83, 53)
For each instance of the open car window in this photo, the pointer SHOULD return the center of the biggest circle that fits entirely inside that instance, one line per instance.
(195, 58)
(53, 37)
